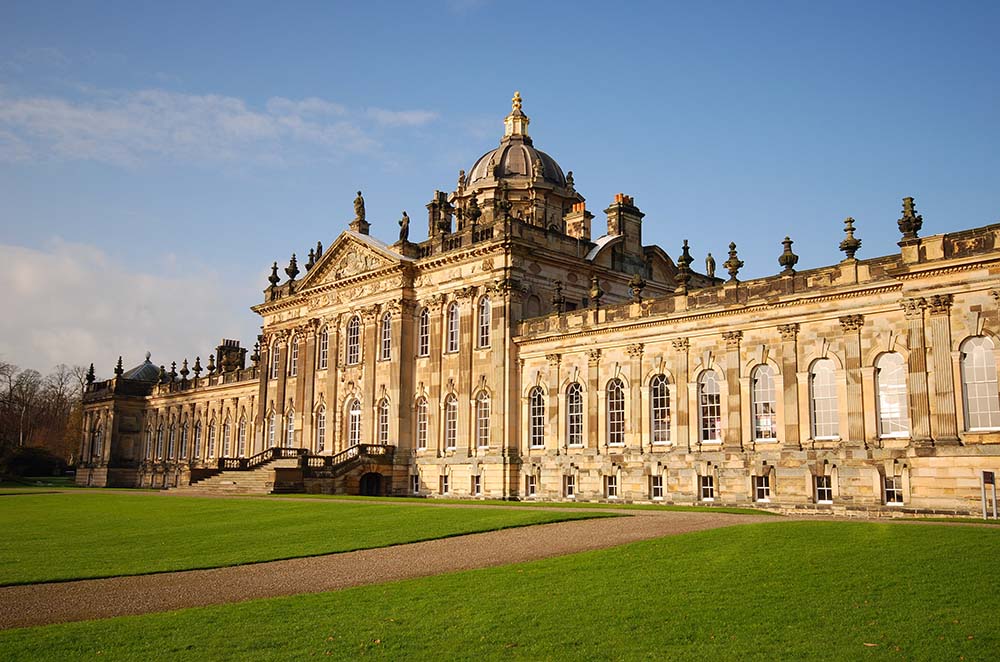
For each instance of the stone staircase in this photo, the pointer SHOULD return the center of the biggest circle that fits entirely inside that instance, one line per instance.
(281, 470)
(253, 475)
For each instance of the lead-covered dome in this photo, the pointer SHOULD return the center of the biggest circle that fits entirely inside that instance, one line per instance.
(516, 157)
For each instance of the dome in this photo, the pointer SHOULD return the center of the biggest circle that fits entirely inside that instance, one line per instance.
(517, 158)
(144, 372)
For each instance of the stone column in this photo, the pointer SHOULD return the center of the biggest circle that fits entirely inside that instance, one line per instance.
(552, 407)
(333, 375)
(279, 396)
(944, 419)
(435, 400)
(307, 381)
(466, 332)
(854, 407)
(401, 373)
(263, 374)
(734, 428)
(790, 385)
(593, 401)
(913, 309)
(369, 351)
(681, 396)
(633, 419)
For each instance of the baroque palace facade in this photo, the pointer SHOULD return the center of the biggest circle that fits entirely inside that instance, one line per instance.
(512, 355)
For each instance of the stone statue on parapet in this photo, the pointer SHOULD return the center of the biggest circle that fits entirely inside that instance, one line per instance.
(359, 207)
(710, 266)
(404, 227)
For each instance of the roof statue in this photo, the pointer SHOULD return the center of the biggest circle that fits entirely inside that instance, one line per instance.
(404, 227)
(359, 208)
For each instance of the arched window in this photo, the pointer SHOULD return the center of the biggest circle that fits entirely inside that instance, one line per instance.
(149, 444)
(272, 423)
(762, 396)
(184, 440)
(241, 438)
(354, 423)
(659, 402)
(171, 440)
(197, 441)
(324, 349)
(383, 421)
(275, 360)
(823, 400)
(574, 415)
(211, 439)
(159, 442)
(422, 423)
(450, 422)
(290, 430)
(709, 407)
(227, 438)
(354, 341)
(452, 327)
(386, 337)
(321, 430)
(893, 406)
(483, 419)
(485, 321)
(616, 412)
(536, 418)
(424, 333)
(979, 384)
(293, 359)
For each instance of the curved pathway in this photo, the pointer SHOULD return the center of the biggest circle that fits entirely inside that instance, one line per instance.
(42, 604)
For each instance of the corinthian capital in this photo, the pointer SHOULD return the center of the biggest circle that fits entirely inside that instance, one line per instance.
(732, 338)
(852, 323)
(913, 307)
(940, 304)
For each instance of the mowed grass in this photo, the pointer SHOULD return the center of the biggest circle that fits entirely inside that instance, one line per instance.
(775, 591)
(52, 537)
(539, 504)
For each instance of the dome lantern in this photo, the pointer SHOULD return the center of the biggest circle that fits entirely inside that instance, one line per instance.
(516, 124)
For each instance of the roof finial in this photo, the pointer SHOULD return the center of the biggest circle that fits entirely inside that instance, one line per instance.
(516, 124)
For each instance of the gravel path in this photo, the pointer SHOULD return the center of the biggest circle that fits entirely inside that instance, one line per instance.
(42, 604)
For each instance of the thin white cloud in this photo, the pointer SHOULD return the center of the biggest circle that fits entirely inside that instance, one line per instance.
(402, 117)
(133, 128)
(70, 303)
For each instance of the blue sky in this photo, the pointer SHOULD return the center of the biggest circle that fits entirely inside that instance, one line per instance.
(155, 158)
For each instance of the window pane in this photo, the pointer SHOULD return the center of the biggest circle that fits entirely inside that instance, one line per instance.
(659, 396)
(823, 400)
(893, 407)
(616, 412)
(710, 407)
(765, 422)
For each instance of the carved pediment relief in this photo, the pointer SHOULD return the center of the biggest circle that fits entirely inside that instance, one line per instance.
(348, 257)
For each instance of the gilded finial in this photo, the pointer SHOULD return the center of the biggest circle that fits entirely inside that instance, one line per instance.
(515, 103)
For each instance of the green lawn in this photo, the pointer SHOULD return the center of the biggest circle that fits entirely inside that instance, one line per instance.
(538, 504)
(51, 537)
(775, 591)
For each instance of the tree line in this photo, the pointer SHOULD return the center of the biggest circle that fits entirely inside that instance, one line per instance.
(39, 411)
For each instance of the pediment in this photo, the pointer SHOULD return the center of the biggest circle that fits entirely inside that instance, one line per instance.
(352, 254)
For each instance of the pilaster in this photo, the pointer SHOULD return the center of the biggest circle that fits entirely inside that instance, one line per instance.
(855, 408)
(681, 397)
(944, 416)
(913, 309)
(633, 419)
(734, 431)
(789, 384)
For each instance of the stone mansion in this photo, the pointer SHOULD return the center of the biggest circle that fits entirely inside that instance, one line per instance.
(518, 352)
